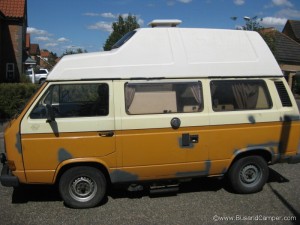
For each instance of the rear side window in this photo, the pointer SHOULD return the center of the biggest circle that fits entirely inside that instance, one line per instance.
(74, 100)
(124, 39)
(232, 95)
(158, 98)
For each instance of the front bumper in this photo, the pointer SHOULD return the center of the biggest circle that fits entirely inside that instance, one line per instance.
(7, 179)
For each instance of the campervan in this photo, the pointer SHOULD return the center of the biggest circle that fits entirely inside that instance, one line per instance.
(166, 104)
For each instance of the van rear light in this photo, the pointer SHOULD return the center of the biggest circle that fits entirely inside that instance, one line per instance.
(11, 165)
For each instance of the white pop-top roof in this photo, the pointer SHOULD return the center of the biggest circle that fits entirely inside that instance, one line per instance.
(175, 53)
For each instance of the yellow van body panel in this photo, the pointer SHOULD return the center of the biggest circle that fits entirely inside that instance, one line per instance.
(42, 160)
(156, 153)
(151, 154)
(12, 138)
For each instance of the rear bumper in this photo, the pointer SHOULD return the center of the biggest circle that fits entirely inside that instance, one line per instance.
(7, 179)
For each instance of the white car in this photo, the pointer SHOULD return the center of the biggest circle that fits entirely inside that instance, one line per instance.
(39, 76)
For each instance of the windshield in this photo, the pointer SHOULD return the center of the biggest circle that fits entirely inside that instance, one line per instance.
(124, 39)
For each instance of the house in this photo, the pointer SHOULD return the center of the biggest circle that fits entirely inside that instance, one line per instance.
(287, 50)
(292, 29)
(13, 24)
(45, 59)
(29, 62)
(34, 52)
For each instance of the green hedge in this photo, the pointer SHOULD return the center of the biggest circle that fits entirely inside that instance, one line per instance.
(13, 98)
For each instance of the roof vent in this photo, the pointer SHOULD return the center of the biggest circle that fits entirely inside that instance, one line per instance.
(164, 23)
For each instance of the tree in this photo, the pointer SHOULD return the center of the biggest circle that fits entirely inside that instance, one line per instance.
(267, 34)
(252, 23)
(120, 28)
(72, 51)
(52, 59)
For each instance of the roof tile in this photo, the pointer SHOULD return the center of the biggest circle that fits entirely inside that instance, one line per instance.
(13, 8)
(286, 49)
(295, 24)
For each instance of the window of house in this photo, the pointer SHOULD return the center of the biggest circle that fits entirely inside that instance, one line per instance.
(74, 100)
(10, 71)
(159, 98)
(231, 95)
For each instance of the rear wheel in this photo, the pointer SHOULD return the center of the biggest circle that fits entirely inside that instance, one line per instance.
(248, 174)
(82, 187)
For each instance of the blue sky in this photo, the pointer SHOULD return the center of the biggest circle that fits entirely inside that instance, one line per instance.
(58, 25)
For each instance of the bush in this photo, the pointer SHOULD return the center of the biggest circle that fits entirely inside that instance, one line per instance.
(13, 98)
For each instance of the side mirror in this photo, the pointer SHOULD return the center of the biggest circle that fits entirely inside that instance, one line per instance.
(50, 114)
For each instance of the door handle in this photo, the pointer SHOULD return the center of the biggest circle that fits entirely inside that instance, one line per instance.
(188, 139)
(106, 134)
(194, 138)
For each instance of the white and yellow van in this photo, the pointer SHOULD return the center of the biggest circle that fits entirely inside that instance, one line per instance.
(166, 103)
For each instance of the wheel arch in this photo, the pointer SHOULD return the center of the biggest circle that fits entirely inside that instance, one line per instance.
(96, 165)
(266, 154)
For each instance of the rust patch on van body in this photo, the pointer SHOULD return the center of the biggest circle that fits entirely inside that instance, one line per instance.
(63, 155)
(119, 176)
(199, 173)
(18, 143)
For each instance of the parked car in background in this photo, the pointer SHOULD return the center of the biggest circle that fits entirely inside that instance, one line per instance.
(39, 75)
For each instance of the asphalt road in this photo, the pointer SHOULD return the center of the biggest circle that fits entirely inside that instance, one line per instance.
(201, 201)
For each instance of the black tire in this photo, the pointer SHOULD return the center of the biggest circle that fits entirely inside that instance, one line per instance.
(82, 187)
(41, 81)
(248, 175)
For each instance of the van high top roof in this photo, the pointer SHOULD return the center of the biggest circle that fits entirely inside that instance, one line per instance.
(173, 52)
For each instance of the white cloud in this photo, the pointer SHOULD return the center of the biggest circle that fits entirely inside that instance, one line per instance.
(70, 47)
(35, 31)
(51, 44)
(140, 21)
(62, 39)
(104, 15)
(282, 3)
(104, 26)
(42, 38)
(170, 3)
(91, 14)
(290, 13)
(239, 2)
(109, 15)
(273, 21)
(185, 1)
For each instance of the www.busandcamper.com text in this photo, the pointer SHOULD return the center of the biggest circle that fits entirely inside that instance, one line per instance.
(272, 218)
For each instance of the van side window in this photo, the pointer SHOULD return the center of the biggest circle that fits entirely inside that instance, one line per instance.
(158, 98)
(231, 95)
(74, 100)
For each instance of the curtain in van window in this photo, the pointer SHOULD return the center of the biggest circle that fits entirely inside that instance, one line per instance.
(129, 95)
(196, 90)
(245, 94)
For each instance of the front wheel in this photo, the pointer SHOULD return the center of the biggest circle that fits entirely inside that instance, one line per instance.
(82, 187)
(248, 174)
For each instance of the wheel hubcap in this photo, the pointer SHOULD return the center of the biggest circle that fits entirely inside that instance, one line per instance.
(83, 189)
(250, 174)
